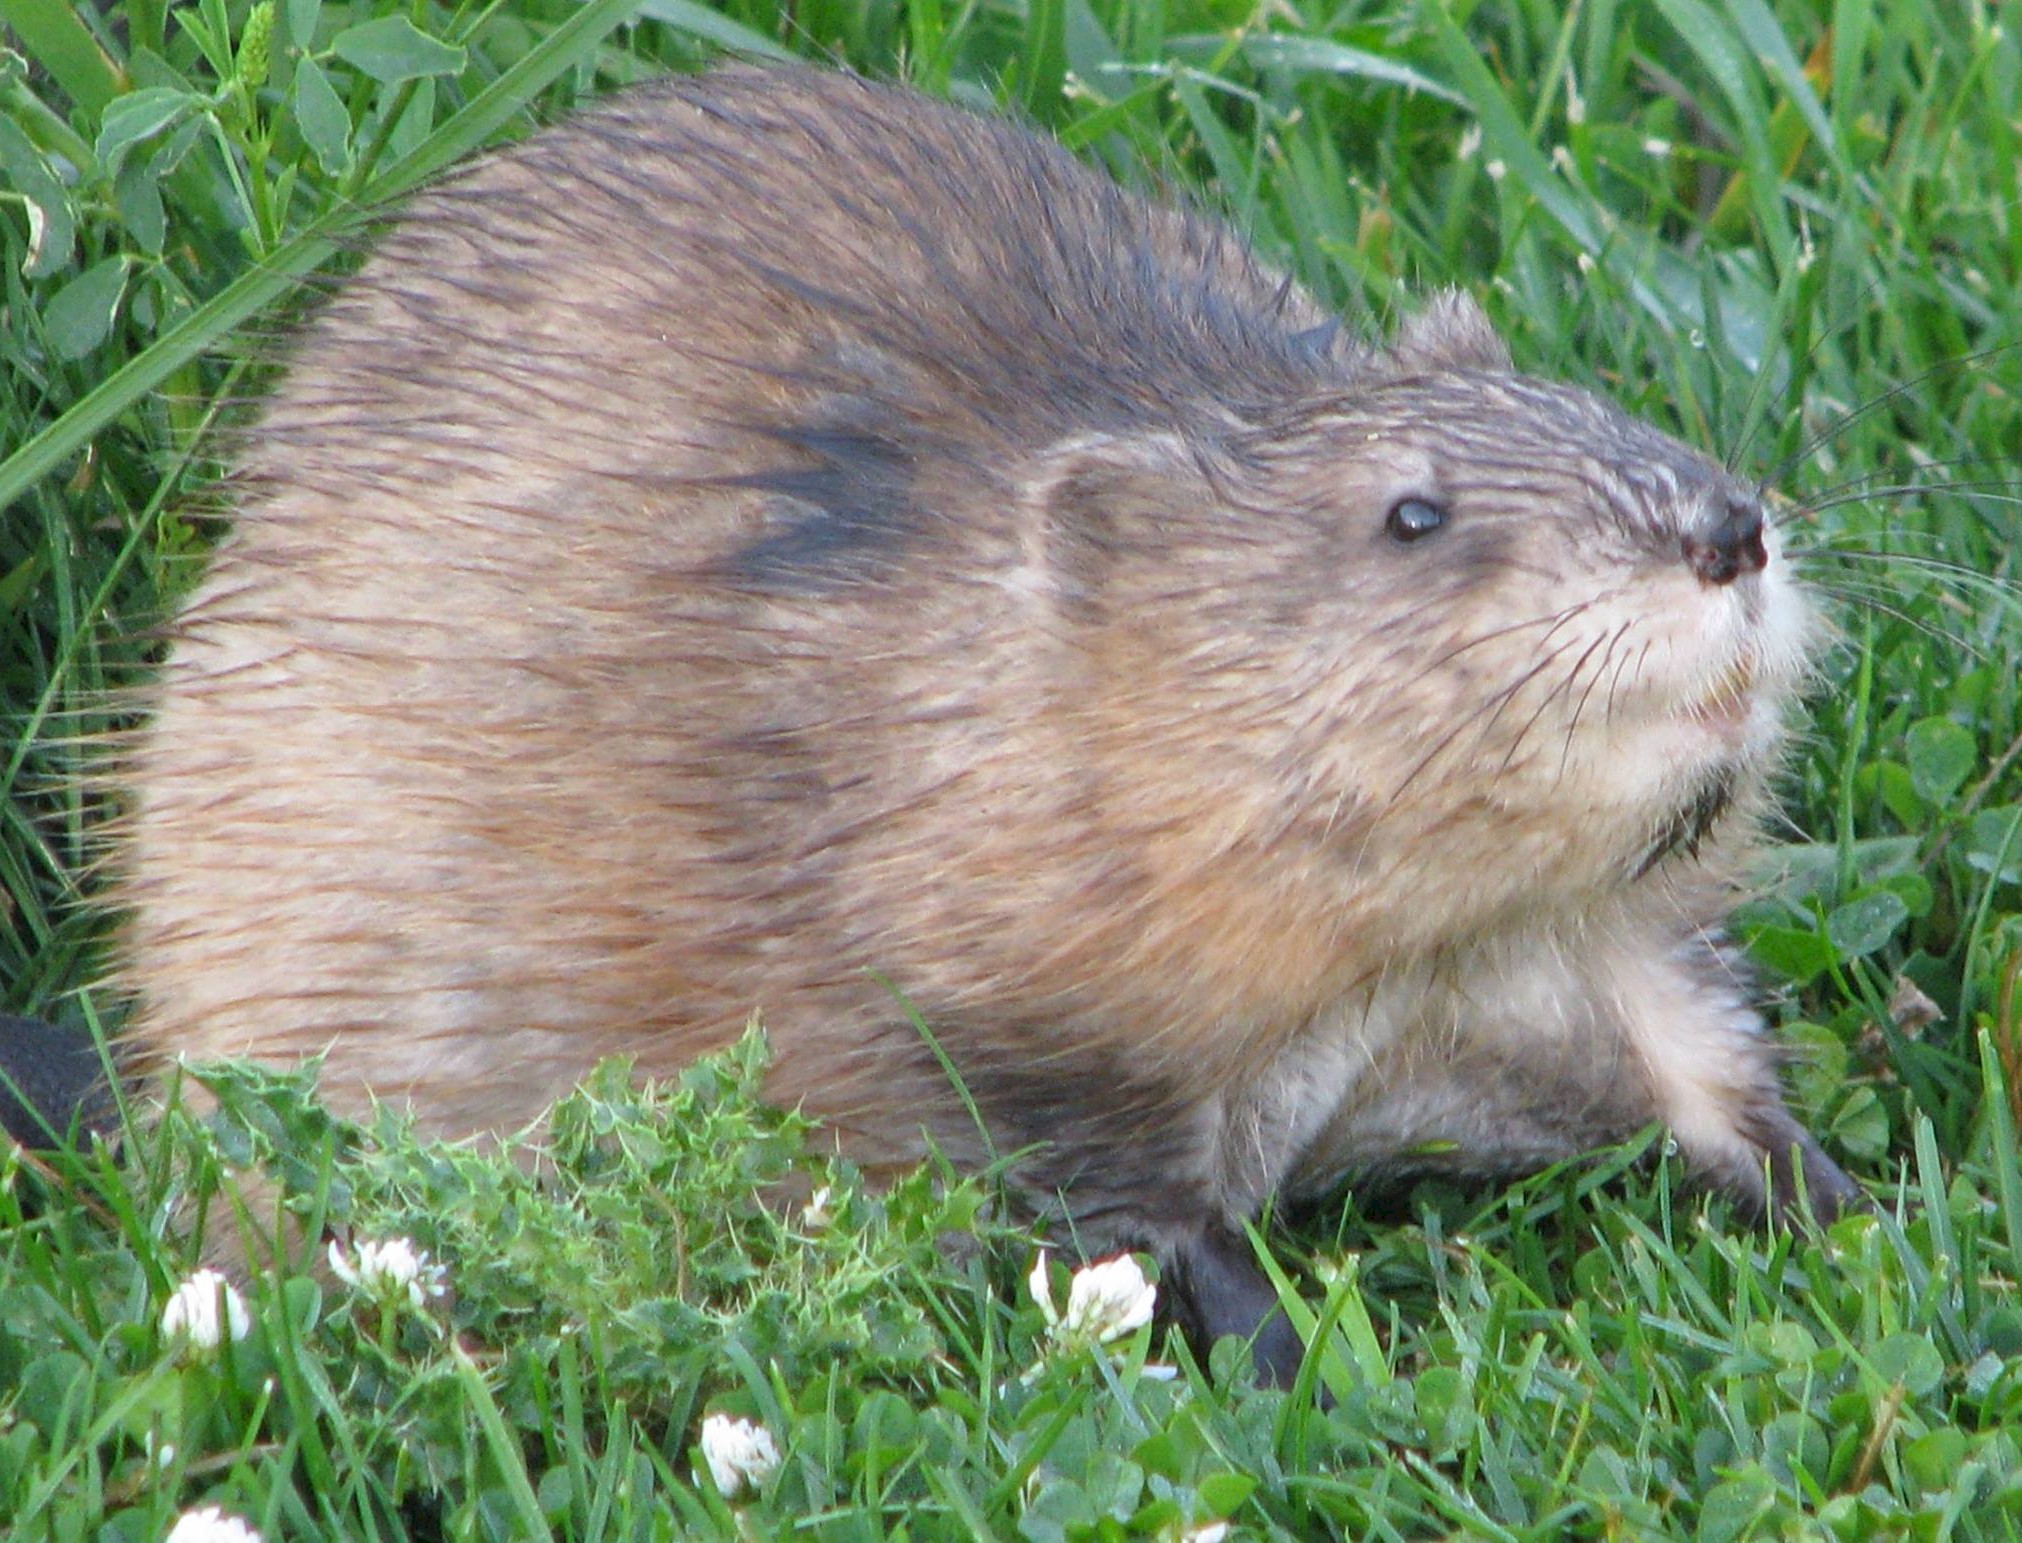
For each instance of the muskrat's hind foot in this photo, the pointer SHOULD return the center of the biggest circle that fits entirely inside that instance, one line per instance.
(1218, 1289)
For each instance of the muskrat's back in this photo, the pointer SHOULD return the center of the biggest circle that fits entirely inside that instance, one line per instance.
(773, 542)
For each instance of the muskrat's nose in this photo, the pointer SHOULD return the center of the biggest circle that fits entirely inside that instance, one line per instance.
(1731, 548)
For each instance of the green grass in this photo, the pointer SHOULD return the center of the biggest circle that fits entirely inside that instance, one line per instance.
(1742, 220)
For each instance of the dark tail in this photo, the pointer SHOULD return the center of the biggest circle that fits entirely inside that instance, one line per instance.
(53, 1087)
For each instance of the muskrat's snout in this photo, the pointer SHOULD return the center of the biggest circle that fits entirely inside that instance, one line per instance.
(1732, 547)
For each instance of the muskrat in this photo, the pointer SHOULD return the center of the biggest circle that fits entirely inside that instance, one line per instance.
(777, 545)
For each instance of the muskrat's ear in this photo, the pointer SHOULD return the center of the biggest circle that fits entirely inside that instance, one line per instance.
(1451, 332)
(1096, 502)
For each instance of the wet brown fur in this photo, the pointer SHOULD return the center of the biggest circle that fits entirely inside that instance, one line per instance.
(774, 535)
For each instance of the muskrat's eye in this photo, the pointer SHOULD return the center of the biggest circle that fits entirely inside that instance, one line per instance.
(1413, 518)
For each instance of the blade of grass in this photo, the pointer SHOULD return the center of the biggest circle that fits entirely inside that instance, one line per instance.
(61, 43)
(2002, 1155)
(1323, 56)
(713, 27)
(503, 1446)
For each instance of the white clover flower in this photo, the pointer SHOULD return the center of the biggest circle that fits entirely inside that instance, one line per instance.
(817, 1213)
(740, 1454)
(193, 1311)
(388, 1271)
(1104, 1301)
(208, 1524)
(1108, 1300)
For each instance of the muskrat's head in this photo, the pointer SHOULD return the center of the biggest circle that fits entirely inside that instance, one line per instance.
(1488, 635)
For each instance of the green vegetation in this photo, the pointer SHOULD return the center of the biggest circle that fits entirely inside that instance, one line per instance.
(1744, 219)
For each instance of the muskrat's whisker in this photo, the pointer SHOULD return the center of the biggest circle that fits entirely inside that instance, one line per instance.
(1900, 548)
(1782, 819)
(1580, 707)
(1994, 491)
(1502, 699)
(1562, 689)
(1847, 420)
(1623, 671)
(1945, 574)
(1859, 587)
(1430, 605)
(1758, 389)
(1494, 705)
(1792, 505)
(1866, 599)
(1553, 621)
(1569, 614)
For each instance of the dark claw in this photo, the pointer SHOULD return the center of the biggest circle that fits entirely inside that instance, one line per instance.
(1218, 1290)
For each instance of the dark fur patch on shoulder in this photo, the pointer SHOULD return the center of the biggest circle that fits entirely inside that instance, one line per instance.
(838, 516)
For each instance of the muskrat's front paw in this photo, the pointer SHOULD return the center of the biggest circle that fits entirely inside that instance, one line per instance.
(1799, 1164)
(1771, 1165)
